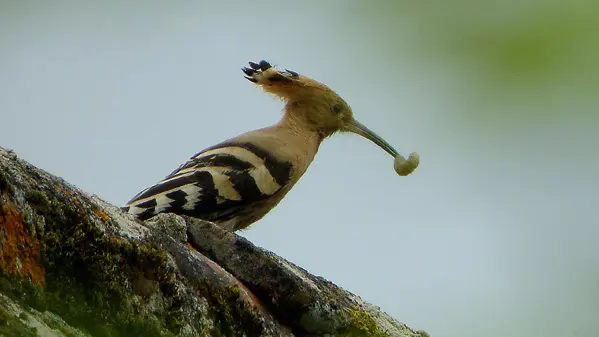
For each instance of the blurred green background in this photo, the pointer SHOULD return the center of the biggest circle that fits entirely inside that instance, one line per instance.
(495, 234)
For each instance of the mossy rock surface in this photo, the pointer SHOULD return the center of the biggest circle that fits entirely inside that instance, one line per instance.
(74, 265)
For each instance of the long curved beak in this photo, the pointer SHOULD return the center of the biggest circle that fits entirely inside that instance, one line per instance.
(360, 129)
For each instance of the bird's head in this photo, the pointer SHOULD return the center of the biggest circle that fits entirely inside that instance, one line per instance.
(313, 106)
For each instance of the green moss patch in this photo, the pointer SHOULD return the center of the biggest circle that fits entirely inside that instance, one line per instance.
(13, 326)
(363, 324)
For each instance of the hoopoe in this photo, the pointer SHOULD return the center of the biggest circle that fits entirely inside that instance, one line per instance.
(238, 181)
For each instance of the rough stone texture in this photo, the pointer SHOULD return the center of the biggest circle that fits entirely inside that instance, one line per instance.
(74, 265)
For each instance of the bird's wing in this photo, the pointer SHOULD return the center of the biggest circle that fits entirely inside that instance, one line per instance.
(215, 183)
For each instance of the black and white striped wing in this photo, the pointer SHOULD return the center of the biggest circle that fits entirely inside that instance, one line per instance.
(214, 184)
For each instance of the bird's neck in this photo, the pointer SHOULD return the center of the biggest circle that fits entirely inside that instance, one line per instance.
(298, 132)
(296, 123)
(290, 141)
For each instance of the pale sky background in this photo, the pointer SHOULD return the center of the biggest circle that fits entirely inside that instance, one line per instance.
(495, 234)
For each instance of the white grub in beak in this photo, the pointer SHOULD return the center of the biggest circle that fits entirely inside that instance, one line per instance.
(402, 166)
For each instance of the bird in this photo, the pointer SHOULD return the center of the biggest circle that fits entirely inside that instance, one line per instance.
(238, 181)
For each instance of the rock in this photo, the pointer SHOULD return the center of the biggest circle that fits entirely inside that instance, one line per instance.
(73, 265)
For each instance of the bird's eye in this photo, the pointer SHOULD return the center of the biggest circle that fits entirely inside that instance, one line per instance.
(337, 108)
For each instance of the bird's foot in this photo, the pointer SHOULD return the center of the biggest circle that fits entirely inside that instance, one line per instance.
(263, 73)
